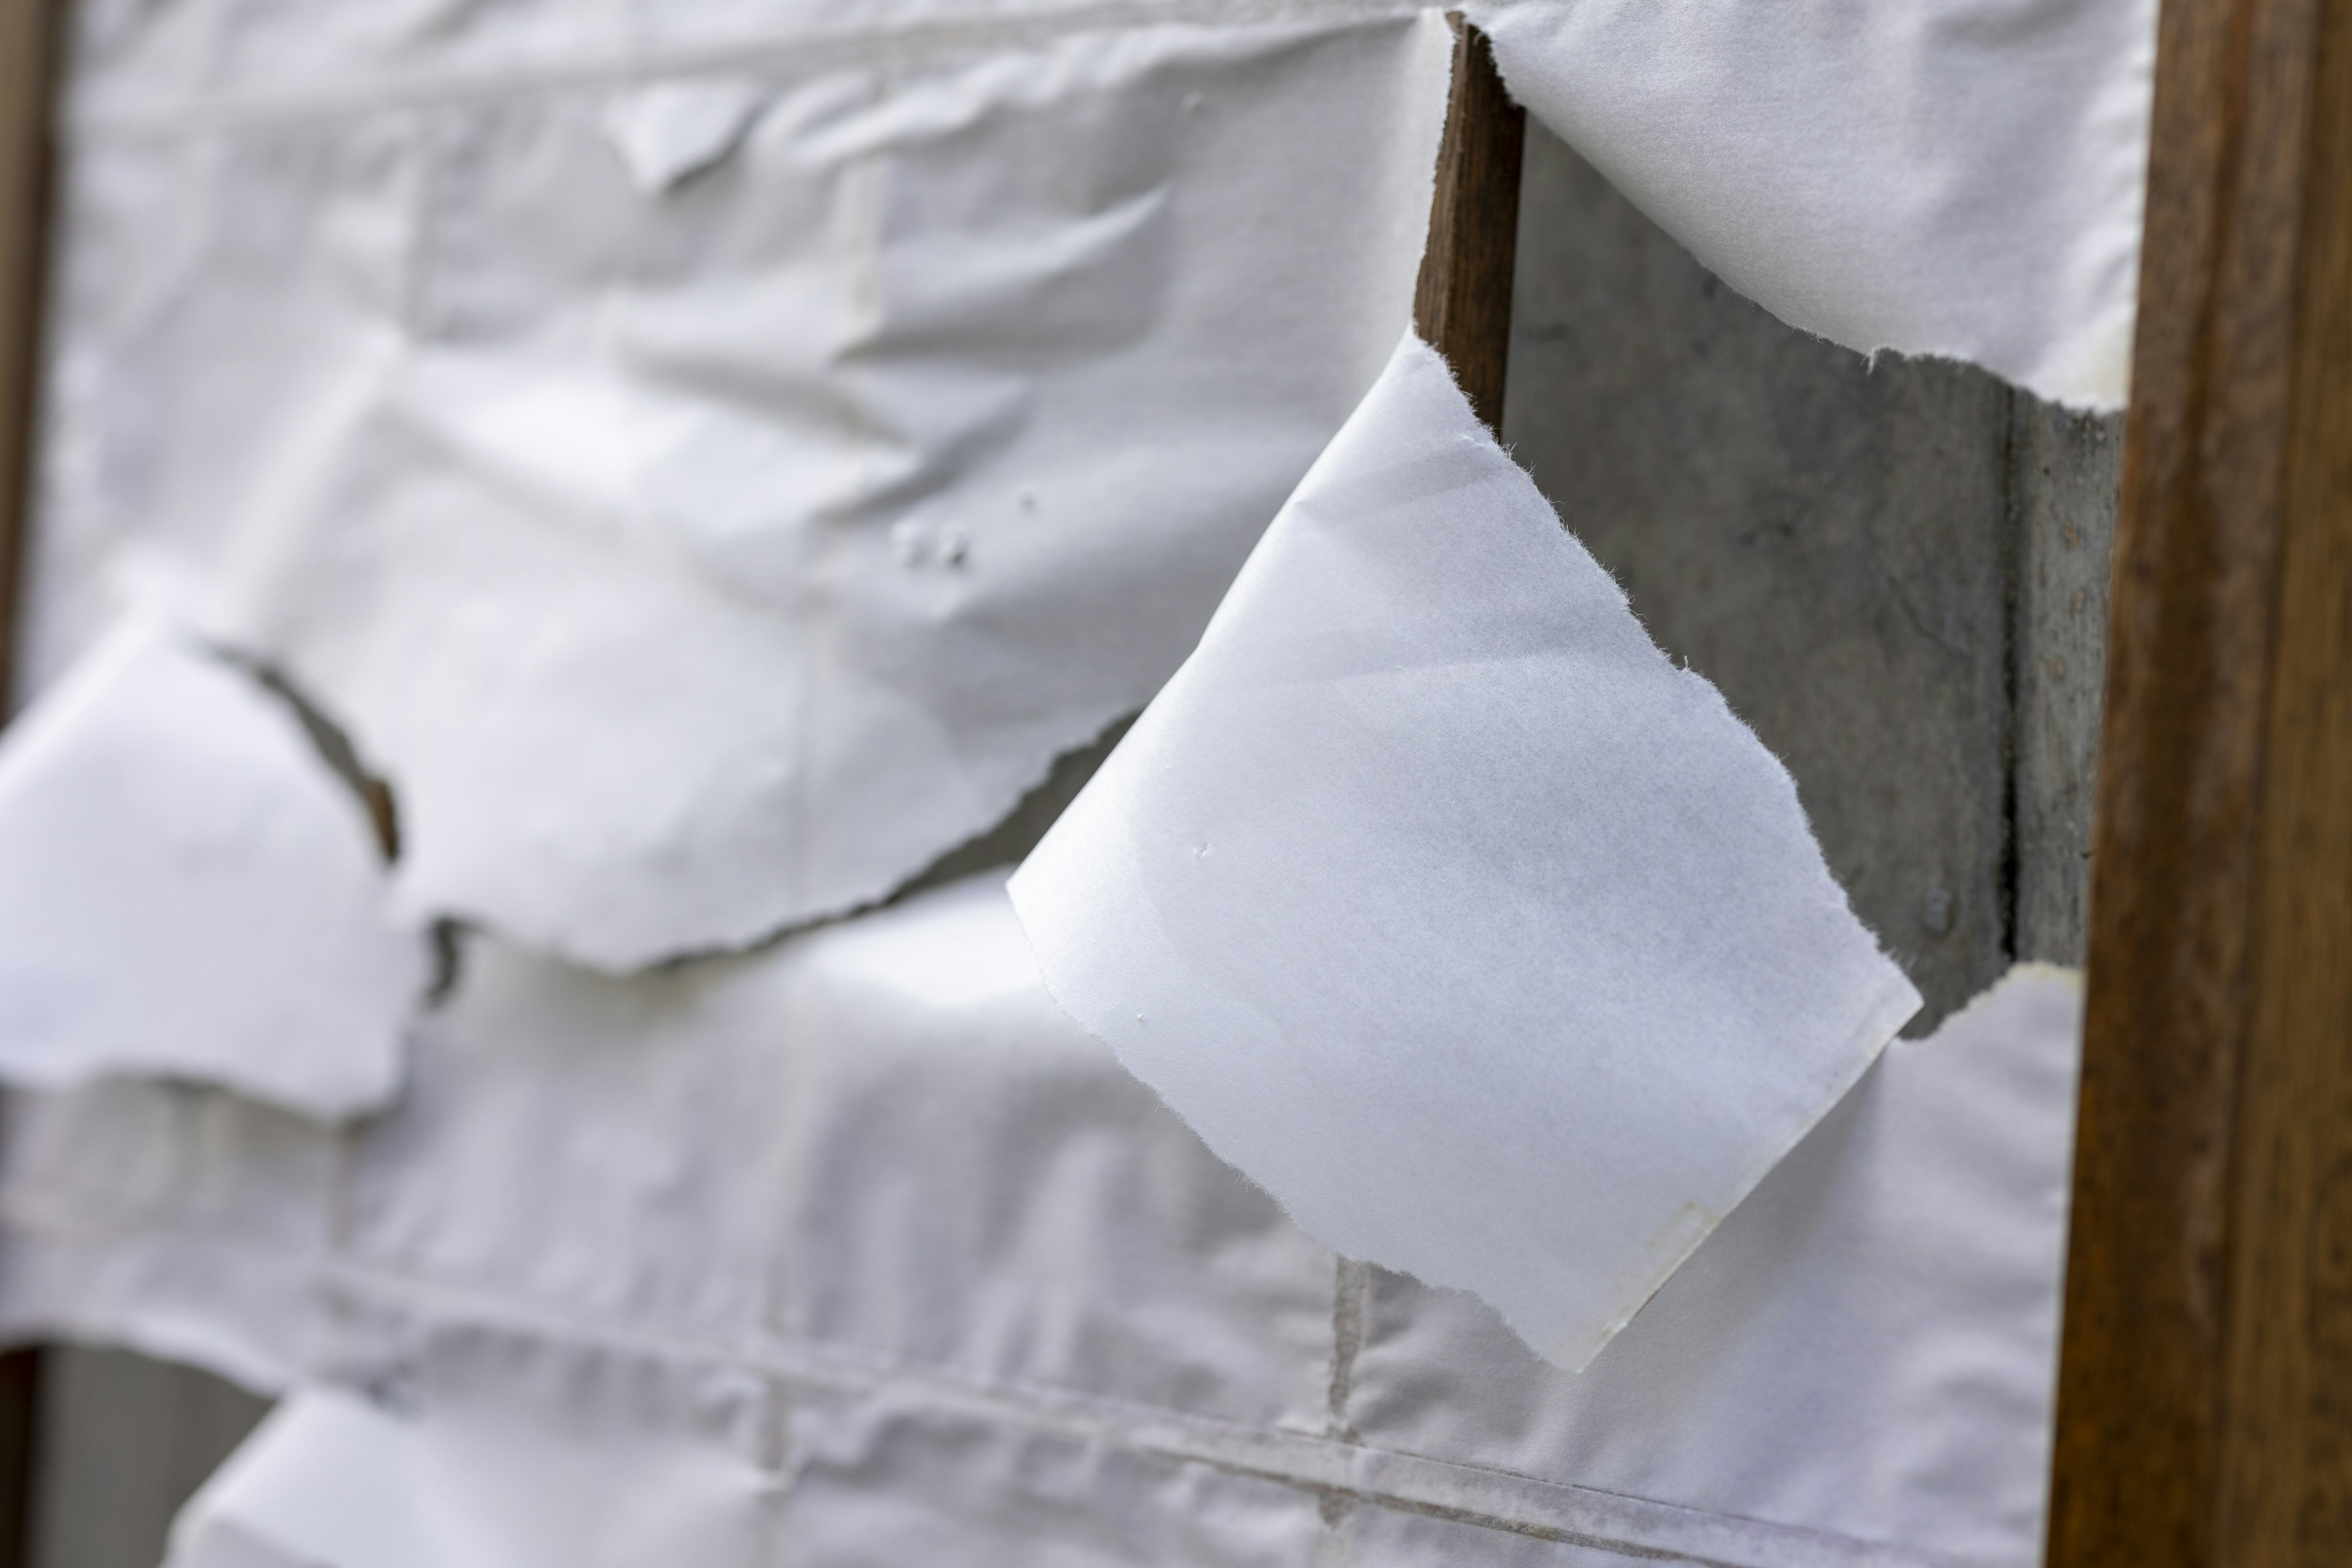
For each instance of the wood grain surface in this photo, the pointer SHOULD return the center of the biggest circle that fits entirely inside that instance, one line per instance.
(27, 55)
(2205, 1385)
(1462, 304)
(26, 72)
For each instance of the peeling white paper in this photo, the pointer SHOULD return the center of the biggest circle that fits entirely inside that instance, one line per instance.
(1960, 178)
(1439, 901)
(1005, 1304)
(700, 562)
(1867, 1348)
(187, 890)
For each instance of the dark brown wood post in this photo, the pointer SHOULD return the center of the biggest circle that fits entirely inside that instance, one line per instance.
(28, 53)
(1462, 305)
(2205, 1385)
(27, 50)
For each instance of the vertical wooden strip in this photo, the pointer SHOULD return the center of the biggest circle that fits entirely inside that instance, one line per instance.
(2205, 1385)
(1462, 303)
(2286, 1484)
(20, 1403)
(27, 54)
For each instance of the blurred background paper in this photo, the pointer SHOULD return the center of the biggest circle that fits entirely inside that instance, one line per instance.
(1439, 903)
(325, 1481)
(1005, 1308)
(691, 497)
(187, 890)
(1960, 178)
(1867, 1346)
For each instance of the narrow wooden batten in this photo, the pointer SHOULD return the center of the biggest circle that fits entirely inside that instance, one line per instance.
(2205, 1380)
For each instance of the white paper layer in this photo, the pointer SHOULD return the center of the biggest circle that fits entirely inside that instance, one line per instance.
(1955, 177)
(1006, 1306)
(1439, 901)
(325, 1481)
(517, 1454)
(187, 890)
(709, 503)
(175, 1219)
(1867, 1347)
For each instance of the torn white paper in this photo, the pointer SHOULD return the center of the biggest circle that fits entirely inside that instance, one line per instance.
(1441, 904)
(186, 889)
(1866, 1348)
(1960, 178)
(696, 561)
(1002, 1302)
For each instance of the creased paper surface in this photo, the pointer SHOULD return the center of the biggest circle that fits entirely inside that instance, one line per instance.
(187, 890)
(1439, 903)
(690, 495)
(1000, 1297)
(326, 1480)
(1960, 178)
(1866, 1348)
(178, 1220)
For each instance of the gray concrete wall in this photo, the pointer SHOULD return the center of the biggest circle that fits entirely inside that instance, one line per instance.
(1896, 571)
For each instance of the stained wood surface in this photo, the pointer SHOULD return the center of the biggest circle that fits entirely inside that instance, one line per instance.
(1462, 303)
(2205, 1385)
(27, 57)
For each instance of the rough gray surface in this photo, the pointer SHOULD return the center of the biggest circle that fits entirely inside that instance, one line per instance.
(1872, 560)
(124, 1440)
(1821, 536)
(2065, 469)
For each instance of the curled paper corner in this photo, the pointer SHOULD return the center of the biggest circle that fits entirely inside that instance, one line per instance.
(188, 890)
(1952, 179)
(670, 131)
(1440, 903)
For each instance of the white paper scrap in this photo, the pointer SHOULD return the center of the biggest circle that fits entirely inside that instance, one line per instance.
(187, 890)
(1960, 178)
(1443, 905)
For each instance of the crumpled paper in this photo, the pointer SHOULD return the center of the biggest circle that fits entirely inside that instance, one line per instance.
(1439, 903)
(187, 890)
(1007, 1305)
(694, 520)
(1961, 178)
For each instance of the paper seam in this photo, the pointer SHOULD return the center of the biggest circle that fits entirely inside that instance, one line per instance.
(1489, 1496)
